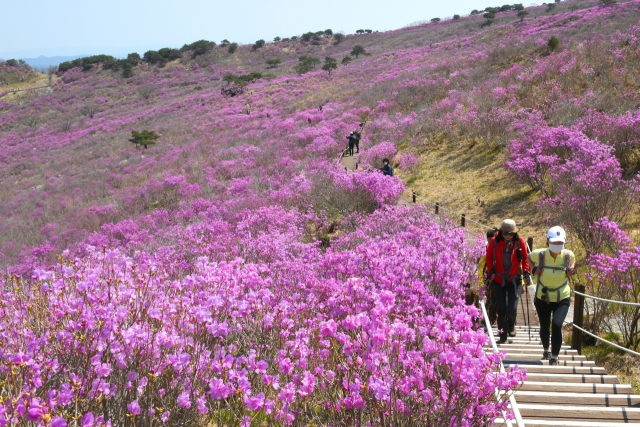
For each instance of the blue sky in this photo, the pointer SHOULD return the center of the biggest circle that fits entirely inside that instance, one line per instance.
(71, 27)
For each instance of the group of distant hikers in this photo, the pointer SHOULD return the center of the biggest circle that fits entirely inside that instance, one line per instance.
(507, 269)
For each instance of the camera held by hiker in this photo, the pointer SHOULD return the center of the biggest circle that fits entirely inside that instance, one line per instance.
(508, 267)
(553, 267)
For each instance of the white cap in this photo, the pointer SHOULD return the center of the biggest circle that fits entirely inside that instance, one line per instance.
(556, 234)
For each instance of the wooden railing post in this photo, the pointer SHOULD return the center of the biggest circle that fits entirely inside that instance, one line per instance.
(414, 196)
(463, 220)
(437, 207)
(578, 316)
(530, 243)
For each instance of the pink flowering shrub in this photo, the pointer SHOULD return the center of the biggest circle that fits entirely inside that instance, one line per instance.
(580, 178)
(339, 334)
(72, 74)
(373, 156)
(408, 162)
(615, 275)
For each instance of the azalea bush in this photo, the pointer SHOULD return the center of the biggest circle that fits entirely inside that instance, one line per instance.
(615, 275)
(309, 336)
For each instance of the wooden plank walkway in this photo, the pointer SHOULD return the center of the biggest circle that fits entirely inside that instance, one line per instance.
(574, 393)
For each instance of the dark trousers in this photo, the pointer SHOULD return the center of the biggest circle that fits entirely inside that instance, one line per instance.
(559, 311)
(357, 145)
(350, 150)
(507, 297)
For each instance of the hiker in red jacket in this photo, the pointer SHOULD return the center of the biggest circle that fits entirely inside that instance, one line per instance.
(507, 265)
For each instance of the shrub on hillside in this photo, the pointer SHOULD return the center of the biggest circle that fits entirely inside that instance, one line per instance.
(338, 37)
(553, 43)
(232, 47)
(143, 138)
(273, 63)
(257, 45)
(358, 50)
(198, 48)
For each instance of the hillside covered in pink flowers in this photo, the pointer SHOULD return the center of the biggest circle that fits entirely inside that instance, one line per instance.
(234, 273)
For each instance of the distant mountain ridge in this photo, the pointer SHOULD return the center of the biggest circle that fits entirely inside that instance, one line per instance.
(45, 61)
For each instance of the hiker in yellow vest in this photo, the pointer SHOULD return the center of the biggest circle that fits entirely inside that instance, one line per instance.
(553, 267)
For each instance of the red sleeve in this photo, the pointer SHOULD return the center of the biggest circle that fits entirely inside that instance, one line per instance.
(489, 255)
(525, 252)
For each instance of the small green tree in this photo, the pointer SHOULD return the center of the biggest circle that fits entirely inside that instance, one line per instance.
(607, 2)
(506, 8)
(328, 33)
(550, 7)
(153, 57)
(273, 63)
(307, 36)
(232, 47)
(225, 43)
(169, 54)
(491, 10)
(475, 12)
(143, 138)
(127, 70)
(456, 17)
(359, 31)
(553, 43)
(522, 15)
(368, 31)
(358, 50)
(276, 39)
(489, 16)
(134, 58)
(258, 44)
(518, 6)
(346, 60)
(435, 19)
(573, 8)
(330, 64)
(229, 78)
(338, 37)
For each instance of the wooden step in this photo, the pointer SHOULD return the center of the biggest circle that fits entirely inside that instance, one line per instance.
(507, 346)
(577, 378)
(576, 387)
(589, 363)
(531, 350)
(572, 370)
(591, 413)
(565, 423)
(538, 355)
(577, 399)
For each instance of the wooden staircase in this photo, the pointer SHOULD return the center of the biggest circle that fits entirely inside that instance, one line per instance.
(574, 393)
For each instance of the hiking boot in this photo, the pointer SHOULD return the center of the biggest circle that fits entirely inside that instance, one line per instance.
(503, 338)
(512, 329)
(546, 355)
(553, 361)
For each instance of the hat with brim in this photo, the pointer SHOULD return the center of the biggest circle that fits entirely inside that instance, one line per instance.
(509, 226)
(556, 235)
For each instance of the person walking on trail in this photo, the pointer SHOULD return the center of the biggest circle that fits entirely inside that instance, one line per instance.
(387, 169)
(553, 267)
(357, 136)
(352, 143)
(507, 263)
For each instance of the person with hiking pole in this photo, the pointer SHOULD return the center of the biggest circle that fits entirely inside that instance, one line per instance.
(507, 265)
(553, 267)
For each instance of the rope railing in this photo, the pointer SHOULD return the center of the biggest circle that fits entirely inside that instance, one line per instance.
(439, 206)
(630, 304)
(512, 399)
(602, 339)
